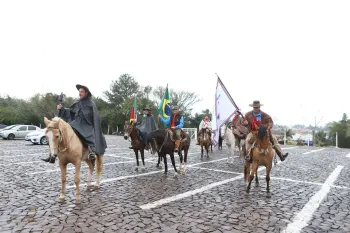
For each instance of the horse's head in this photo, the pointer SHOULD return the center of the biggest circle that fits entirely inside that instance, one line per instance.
(53, 135)
(262, 132)
(128, 128)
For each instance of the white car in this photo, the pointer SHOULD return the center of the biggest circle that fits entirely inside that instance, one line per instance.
(37, 137)
(19, 131)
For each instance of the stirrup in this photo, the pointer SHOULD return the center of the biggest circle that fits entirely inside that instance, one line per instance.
(92, 156)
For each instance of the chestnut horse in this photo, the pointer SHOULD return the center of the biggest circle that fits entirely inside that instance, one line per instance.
(262, 154)
(204, 141)
(130, 131)
(67, 146)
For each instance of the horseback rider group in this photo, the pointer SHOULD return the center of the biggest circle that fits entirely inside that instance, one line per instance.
(84, 118)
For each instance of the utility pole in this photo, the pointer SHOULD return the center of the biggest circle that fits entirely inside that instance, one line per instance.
(314, 131)
(336, 139)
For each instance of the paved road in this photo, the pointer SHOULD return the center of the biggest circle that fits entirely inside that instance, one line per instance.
(310, 193)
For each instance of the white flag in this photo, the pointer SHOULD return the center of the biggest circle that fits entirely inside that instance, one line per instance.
(224, 109)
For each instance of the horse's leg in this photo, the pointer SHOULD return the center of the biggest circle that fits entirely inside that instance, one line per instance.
(251, 177)
(181, 160)
(63, 180)
(77, 182)
(246, 171)
(158, 164)
(185, 160)
(268, 169)
(165, 164)
(207, 149)
(202, 151)
(256, 177)
(91, 171)
(173, 162)
(99, 166)
(142, 151)
(137, 159)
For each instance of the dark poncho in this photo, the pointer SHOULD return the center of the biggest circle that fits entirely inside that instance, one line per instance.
(84, 118)
(148, 124)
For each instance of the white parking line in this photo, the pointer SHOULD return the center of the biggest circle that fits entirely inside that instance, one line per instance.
(37, 161)
(287, 148)
(144, 174)
(348, 156)
(302, 218)
(191, 193)
(309, 152)
(14, 156)
(73, 168)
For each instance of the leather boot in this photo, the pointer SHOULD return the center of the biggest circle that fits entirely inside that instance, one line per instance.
(280, 155)
(177, 145)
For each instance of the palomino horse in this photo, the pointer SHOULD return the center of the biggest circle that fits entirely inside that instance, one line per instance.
(204, 141)
(65, 144)
(230, 143)
(262, 154)
(160, 141)
(132, 132)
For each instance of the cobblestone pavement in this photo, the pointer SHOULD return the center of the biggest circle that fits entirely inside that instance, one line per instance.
(310, 193)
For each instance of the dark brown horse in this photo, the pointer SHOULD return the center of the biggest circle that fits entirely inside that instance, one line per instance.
(161, 142)
(130, 131)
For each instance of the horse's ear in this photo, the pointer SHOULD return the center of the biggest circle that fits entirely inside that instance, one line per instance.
(46, 121)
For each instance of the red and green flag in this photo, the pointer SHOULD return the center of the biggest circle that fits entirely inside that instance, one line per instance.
(133, 114)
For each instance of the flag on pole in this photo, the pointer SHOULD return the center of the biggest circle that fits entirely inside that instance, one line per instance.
(164, 106)
(133, 114)
(224, 108)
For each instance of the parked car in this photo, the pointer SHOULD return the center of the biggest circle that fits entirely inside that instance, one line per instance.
(37, 137)
(7, 127)
(18, 131)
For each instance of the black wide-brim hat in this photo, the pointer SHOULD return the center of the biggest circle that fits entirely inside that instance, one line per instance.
(84, 87)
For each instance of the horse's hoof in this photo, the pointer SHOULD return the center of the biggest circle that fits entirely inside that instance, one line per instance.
(257, 185)
(96, 187)
(77, 201)
(136, 168)
(61, 200)
(268, 195)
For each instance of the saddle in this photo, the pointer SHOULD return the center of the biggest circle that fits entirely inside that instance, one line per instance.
(171, 134)
(241, 131)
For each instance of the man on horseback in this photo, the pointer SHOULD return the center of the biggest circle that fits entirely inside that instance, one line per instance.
(255, 118)
(84, 118)
(175, 122)
(147, 125)
(205, 124)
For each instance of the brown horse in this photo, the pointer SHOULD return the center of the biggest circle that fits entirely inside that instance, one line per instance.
(130, 131)
(205, 141)
(64, 143)
(262, 154)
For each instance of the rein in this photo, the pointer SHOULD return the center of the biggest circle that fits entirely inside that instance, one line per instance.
(58, 147)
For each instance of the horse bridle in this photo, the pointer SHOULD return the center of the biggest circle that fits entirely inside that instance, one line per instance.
(129, 131)
(60, 140)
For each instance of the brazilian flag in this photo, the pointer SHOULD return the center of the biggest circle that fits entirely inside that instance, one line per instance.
(164, 106)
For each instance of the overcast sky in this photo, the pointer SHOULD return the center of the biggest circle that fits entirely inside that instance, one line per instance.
(292, 56)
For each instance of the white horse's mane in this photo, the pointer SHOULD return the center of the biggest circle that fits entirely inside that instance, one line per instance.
(55, 119)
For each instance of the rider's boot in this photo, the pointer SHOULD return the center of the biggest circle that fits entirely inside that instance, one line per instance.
(92, 154)
(177, 145)
(279, 153)
(49, 159)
